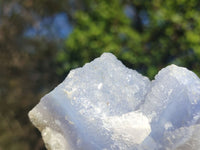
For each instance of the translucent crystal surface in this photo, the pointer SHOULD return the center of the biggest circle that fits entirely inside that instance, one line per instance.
(173, 106)
(106, 106)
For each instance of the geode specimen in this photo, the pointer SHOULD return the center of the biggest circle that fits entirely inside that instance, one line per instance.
(106, 106)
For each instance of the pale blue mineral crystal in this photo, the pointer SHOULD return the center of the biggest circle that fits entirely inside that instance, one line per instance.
(106, 106)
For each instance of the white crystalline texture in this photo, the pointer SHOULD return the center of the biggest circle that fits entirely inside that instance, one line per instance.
(106, 106)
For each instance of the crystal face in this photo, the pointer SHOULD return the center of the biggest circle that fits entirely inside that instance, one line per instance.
(106, 106)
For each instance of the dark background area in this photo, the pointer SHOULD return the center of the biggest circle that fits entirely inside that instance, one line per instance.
(41, 40)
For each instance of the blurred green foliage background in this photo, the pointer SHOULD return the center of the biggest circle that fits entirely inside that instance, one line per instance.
(41, 40)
